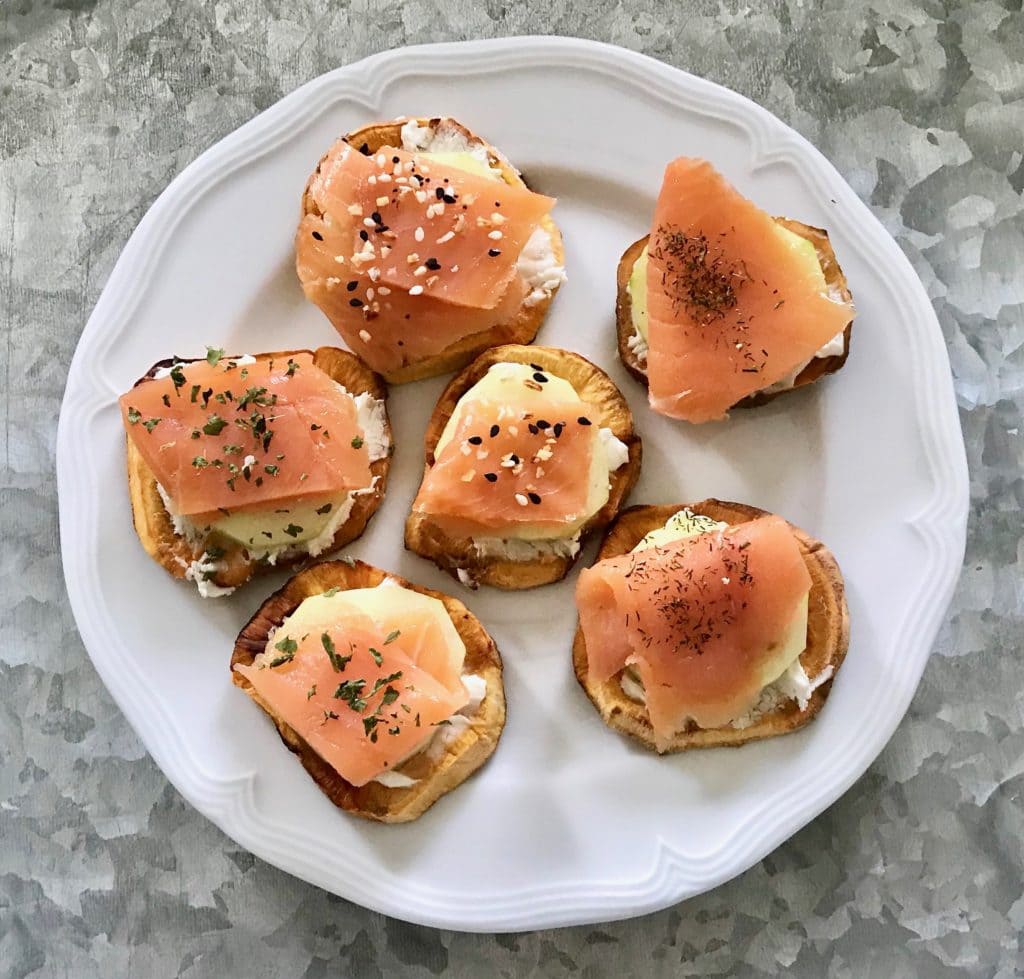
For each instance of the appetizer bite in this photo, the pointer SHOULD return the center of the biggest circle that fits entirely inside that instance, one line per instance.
(391, 695)
(724, 306)
(709, 624)
(423, 246)
(528, 451)
(240, 464)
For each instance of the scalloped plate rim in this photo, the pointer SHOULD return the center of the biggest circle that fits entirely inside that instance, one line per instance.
(674, 876)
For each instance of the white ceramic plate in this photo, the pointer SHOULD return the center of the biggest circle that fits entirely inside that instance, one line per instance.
(568, 823)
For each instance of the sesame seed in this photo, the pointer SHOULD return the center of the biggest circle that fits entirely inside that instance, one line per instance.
(513, 430)
(381, 159)
(418, 234)
(369, 295)
(416, 291)
(421, 196)
(468, 475)
(383, 291)
(371, 180)
(447, 236)
(420, 272)
(381, 201)
(373, 273)
(355, 210)
(495, 235)
(521, 500)
(497, 218)
(364, 335)
(384, 178)
(412, 258)
(491, 477)
(455, 268)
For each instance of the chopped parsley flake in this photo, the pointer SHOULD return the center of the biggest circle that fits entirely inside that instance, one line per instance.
(150, 424)
(213, 356)
(134, 416)
(349, 692)
(293, 530)
(287, 646)
(177, 376)
(357, 442)
(214, 425)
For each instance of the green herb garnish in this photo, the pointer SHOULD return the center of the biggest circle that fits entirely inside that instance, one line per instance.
(357, 442)
(213, 355)
(287, 645)
(214, 425)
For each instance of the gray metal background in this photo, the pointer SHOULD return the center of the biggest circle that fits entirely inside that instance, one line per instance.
(106, 872)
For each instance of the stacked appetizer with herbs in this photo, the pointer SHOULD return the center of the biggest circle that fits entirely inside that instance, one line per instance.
(391, 695)
(240, 464)
(724, 306)
(528, 450)
(423, 246)
(709, 624)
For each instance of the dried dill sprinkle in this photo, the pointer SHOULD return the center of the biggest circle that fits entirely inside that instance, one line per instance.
(699, 278)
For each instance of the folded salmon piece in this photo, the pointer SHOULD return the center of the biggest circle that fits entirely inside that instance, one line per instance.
(363, 692)
(407, 255)
(697, 618)
(231, 435)
(525, 462)
(732, 306)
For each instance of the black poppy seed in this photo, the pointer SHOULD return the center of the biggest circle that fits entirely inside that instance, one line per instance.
(439, 193)
(475, 440)
(540, 378)
(534, 498)
(364, 234)
(395, 159)
(494, 252)
(491, 477)
(494, 431)
(449, 198)
(376, 218)
(318, 236)
(433, 264)
(497, 203)
(537, 367)
(380, 229)
(515, 459)
(583, 421)
(558, 429)
(542, 425)
(352, 286)
(355, 302)
(365, 149)
(533, 428)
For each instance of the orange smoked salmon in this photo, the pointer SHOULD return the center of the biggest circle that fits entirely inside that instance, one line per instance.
(733, 308)
(407, 255)
(227, 435)
(362, 695)
(696, 617)
(519, 462)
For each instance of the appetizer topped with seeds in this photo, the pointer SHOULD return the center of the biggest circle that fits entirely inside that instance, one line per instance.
(423, 246)
(528, 451)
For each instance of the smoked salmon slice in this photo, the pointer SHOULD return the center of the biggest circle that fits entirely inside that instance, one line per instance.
(362, 698)
(407, 255)
(697, 618)
(732, 307)
(521, 462)
(222, 435)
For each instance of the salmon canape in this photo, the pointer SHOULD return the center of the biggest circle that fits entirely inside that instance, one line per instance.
(722, 305)
(391, 695)
(423, 246)
(240, 464)
(528, 451)
(709, 624)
